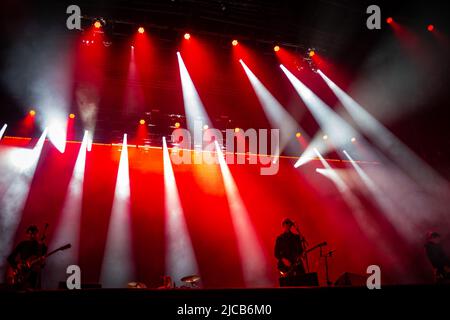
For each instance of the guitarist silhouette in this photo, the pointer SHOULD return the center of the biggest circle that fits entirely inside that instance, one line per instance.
(27, 250)
(289, 248)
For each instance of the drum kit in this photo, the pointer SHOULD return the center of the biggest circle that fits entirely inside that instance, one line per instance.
(191, 281)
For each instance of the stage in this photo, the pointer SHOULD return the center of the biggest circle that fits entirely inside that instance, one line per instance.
(270, 303)
(224, 148)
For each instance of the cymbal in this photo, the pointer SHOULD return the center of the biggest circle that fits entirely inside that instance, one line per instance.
(191, 279)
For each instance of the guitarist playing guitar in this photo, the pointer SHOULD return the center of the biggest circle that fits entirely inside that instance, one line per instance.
(289, 248)
(31, 248)
(27, 260)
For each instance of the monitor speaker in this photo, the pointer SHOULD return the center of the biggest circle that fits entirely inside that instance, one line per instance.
(351, 279)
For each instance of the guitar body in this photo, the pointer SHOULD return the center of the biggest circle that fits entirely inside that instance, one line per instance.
(294, 269)
(11, 276)
(27, 271)
(24, 271)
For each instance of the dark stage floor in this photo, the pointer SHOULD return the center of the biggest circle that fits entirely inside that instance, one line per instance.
(295, 303)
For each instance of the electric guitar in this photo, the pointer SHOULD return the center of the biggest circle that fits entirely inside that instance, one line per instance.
(286, 271)
(21, 273)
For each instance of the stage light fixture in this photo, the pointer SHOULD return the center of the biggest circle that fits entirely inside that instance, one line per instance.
(311, 53)
(430, 27)
(142, 121)
(298, 134)
(325, 137)
(187, 36)
(97, 24)
(353, 140)
(234, 43)
(276, 48)
(32, 113)
(389, 20)
(177, 125)
(72, 116)
(141, 30)
(205, 127)
(237, 130)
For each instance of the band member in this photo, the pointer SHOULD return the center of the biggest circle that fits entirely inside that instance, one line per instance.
(24, 252)
(439, 260)
(289, 248)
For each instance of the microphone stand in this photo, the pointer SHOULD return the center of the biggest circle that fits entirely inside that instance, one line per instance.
(328, 254)
(304, 246)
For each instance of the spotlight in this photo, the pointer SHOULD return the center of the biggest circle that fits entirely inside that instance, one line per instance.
(97, 24)
(72, 116)
(132, 47)
(234, 43)
(276, 48)
(430, 27)
(237, 130)
(177, 125)
(187, 36)
(325, 137)
(353, 140)
(142, 121)
(311, 53)
(205, 127)
(298, 134)
(141, 30)
(32, 113)
(389, 20)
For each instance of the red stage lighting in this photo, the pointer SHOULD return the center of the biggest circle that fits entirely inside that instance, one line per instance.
(389, 20)
(430, 27)
(141, 30)
(142, 121)
(187, 36)
(97, 24)
(32, 113)
(276, 48)
(72, 116)
(234, 42)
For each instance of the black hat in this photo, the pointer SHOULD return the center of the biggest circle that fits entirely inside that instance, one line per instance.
(287, 221)
(32, 229)
(432, 235)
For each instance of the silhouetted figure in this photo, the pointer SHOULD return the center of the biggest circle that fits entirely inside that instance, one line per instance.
(289, 248)
(439, 260)
(25, 261)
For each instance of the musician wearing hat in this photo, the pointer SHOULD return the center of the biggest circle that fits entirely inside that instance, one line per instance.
(27, 250)
(289, 248)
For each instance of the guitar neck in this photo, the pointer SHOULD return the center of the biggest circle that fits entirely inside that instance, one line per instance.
(52, 252)
(67, 246)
